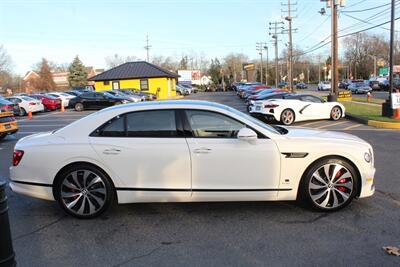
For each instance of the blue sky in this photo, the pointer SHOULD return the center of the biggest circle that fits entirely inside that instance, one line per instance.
(95, 29)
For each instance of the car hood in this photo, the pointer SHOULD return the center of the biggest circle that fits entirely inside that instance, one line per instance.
(300, 132)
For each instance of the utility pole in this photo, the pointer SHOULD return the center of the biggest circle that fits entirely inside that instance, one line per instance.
(260, 47)
(289, 19)
(266, 71)
(147, 47)
(273, 31)
(333, 4)
(387, 106)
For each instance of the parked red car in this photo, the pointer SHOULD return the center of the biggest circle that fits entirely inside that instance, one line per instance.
(49, 102)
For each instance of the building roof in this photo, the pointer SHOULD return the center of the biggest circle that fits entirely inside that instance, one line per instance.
(134, 70)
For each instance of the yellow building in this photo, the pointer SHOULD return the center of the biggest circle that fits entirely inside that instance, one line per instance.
(139, 75)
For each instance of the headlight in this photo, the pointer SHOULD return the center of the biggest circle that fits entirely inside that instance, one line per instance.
(368, 157)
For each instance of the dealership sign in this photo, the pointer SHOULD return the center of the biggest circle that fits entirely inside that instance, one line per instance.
(395, 100)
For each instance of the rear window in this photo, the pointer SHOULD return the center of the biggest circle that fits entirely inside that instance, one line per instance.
(26, 98)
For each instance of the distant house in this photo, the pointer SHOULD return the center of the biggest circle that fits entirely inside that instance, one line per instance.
(139, 75)
(59, 78)
(28, 82)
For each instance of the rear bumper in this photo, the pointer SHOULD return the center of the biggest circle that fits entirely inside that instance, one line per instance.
(41, 191)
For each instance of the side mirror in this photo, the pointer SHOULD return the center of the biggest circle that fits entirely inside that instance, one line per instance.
(246, 134)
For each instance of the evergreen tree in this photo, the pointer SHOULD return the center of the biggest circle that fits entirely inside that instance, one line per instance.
(77, 76)
(215, 71)
(45, 82)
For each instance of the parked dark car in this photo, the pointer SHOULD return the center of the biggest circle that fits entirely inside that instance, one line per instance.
(301, 85)
(95, 100)
(343, 85)
(74, 93)
(283, 84)
(7, 106)
(49, 102)
(374, 84)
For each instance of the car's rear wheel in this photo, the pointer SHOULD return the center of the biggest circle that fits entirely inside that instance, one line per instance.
(84, 191)
(22, 112)
(287, 117)
(329, 184)
(79, 107)
(2, 136)
(336, 113)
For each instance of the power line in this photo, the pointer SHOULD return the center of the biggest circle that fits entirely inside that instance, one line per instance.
(355, 4)
(366, 9)
(316, 29)
(344, 35)
(364, 21)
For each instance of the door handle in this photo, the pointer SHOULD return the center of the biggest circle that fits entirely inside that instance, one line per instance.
(202, 150)
(111, 151)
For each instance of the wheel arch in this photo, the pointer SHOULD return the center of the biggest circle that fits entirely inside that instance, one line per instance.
(349, 161)
(58, 175)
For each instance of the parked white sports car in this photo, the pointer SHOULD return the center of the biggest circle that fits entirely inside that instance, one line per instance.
(26, 104)
(186, 151)
(298, 107)
(64, 97)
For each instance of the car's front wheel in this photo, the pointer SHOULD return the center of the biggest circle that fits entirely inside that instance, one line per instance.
(287, 117)
(21, 112)
(329, 184)
(84, 191)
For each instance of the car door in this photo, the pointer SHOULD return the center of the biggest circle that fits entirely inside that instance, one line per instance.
(313, 108)
(148, 154)
(226, 168)
(89, 101)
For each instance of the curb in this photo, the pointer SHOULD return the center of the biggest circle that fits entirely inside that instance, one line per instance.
(378, 124)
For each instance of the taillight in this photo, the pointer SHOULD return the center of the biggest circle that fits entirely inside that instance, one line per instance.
(8, 107)
(17, 157)
(271, 106)
(32, 104)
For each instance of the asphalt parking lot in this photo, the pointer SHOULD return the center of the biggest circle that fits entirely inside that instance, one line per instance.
(212, 234)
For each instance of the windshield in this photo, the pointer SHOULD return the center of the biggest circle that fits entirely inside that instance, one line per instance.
(108, 94)
(26, 98)
(254, 120)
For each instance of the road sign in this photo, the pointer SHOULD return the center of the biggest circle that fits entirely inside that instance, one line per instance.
(395, 100)
(345, 96)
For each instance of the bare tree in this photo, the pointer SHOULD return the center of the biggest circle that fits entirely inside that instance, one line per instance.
(116, 60)
(5, 60)
(233, 64)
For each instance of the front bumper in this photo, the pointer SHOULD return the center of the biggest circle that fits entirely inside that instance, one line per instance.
(368, 186)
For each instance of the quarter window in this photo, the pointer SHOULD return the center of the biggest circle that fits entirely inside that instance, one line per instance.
(158, 123)
(106, 82)
(113, 128)
(207, 124)
(144, 85)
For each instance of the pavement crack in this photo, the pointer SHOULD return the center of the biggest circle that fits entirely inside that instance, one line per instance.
(389, 195)
(39, 229)
(138, 257)
(306, 221)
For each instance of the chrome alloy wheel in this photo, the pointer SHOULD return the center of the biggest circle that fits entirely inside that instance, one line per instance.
(83, 192)
(336, 113)
(331, 186)
(287, 117)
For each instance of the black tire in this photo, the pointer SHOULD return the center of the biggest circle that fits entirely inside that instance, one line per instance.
(178, 93)
(117, 103)
(2, 136)
(86, 192)
(22, 112)
(79, 107)
(336, 113)
(285, 117)
(306, 193)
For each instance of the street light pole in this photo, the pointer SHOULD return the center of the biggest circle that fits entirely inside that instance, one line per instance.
(334, 54)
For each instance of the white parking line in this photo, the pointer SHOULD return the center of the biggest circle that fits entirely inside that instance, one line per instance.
(352, 126)
(311, 123)
(331, 124)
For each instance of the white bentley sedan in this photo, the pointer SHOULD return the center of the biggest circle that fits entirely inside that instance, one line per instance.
(187, 151)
